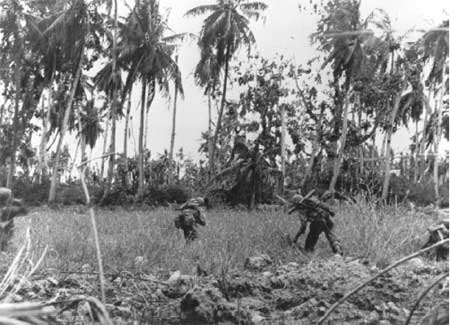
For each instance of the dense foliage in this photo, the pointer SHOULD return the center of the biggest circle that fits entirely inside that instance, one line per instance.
(69, 67)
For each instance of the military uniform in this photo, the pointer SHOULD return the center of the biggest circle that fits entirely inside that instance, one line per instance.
(192, 215)
(437, 234)
(319, 217)
(9, 209)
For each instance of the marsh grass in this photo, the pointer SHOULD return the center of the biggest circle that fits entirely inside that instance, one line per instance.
(378, 234)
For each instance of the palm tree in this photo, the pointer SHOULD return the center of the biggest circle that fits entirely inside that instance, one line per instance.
(223, 32)
(346, 37)
(12, 37)
(70, 30)
(172, 136)
(147, 54)
(435, 45)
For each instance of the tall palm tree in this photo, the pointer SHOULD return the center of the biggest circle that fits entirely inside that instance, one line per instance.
(346, 37)
(70, 29)
(435, 46)
(148, 55)
(12, 40)
(225, 30)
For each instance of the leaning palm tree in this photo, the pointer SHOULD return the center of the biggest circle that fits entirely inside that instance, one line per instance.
(70, 29)
(223, 32)
(435, 46)
(148, 55)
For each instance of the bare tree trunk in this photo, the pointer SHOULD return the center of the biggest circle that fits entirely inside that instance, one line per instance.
(82, 143)
(360, 147)
(422, 162)
(437, 138)
(52, 193)
(374, 151)
(417, 154)
(210, 130)
(125, 135)
(74, 157)
(105, 143)
(387, 161)
(42, 166)
(15, 140)
(112, 145)
(172, 137)
(222, 106)
(141, 144)
(283, 147)
(338, 160)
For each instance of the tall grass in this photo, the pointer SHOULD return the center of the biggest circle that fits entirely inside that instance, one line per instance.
(380, 234)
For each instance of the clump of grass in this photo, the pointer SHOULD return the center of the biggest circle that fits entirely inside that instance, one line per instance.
(20, 270)
(381, 234)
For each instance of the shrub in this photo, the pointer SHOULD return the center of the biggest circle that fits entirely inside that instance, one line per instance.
(177, 193)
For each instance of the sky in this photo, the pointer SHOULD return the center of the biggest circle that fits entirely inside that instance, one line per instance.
(285, 30)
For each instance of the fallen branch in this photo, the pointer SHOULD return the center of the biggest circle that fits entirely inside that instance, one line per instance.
(423, 294)
(390, 267)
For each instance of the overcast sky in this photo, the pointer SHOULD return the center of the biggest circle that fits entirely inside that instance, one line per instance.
(286, 30)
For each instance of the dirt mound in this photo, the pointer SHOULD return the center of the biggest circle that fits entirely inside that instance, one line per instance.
(262, 294)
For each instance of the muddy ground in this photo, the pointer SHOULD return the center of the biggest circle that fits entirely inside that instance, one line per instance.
(261, 294)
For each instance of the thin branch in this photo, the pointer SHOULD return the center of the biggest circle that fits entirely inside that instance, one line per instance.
(81, 169)
(423, 294)
(390, 267)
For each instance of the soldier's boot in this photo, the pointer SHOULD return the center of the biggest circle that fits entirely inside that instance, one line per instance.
(315, 229)
(334, 242)
(332, 238)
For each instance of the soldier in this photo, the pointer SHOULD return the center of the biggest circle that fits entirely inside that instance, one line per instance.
(436, 234)
(319, 217)
(191, 215)
(9, 209)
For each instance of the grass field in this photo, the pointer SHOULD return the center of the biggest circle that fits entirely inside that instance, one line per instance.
(380, 234)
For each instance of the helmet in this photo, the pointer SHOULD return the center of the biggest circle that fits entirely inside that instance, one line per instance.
(200, 201)
(297, 198)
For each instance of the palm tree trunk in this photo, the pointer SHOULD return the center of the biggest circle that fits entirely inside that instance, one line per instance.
(42, 166)
(105, 143)
(283, 147)
(210, 130)
(15, 140)
(417, 154)
(437, 138)
(52, 193)
(387, 161)
(172, 137)
(222, 106)
(125, 135)
(82, 142)
(422, 161)
(141, 144)
(112, 144)
(337, 162)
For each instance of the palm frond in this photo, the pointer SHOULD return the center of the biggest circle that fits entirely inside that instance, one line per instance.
(256, 5)
(181, 37)
(201, 10)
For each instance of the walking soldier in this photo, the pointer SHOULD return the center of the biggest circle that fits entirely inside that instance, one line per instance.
(319, 217)
(192, 215)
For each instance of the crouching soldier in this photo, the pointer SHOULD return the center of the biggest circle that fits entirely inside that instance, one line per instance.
(436, 234)
(9, 209)
(319, 217)
(192, 215)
